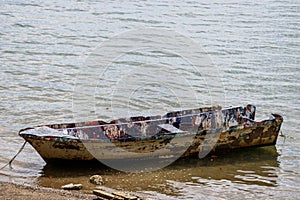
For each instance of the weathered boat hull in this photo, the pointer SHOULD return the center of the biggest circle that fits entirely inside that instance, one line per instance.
(192, 137)
(75, 149)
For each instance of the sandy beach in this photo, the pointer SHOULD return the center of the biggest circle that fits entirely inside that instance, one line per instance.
(16, 192)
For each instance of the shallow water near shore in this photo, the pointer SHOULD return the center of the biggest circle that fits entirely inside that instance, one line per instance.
(254, 46)
(237, 167)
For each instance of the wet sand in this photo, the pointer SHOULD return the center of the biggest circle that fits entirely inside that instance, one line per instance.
(18, 192)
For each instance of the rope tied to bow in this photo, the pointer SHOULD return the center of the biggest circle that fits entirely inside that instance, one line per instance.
(11, 160)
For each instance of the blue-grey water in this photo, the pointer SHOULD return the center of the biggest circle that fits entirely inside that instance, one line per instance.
(44, 46)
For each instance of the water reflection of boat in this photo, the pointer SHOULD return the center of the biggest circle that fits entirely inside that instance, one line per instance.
(249, 166)
(183, 133)
(253, 166)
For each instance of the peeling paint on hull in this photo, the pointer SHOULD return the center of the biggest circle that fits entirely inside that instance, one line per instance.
(197, 131)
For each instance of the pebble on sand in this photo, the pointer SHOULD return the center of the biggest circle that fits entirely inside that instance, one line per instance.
(97, 180)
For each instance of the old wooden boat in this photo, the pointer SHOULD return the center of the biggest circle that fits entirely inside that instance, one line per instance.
(181, 134)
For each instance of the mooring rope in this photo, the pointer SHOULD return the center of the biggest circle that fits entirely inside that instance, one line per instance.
(9, 163)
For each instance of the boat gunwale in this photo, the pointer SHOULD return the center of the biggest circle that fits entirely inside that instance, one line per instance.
(129, 122)
(261, 123)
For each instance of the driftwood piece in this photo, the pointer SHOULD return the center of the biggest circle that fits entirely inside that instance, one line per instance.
(72, 186)
(126, 196)
(107, 195)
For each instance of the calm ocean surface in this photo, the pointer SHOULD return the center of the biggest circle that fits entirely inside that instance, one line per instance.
(254, 45)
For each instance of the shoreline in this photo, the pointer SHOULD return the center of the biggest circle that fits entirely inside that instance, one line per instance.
(12, 191)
